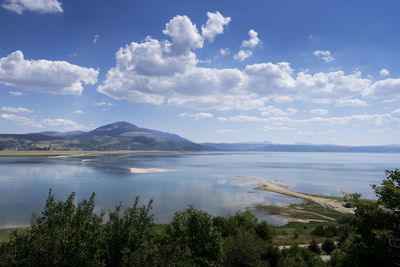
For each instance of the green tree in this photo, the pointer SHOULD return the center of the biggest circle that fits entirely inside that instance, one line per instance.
(314, 247)
(299, 257)
(328, 246)
(64, 234)
(376, 237)
(130, 237)
(191, 240)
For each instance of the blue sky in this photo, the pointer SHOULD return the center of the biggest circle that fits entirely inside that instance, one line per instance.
(211, 71)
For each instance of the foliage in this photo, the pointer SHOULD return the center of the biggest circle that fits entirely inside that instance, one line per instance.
(376, 237)
(299, 257)
(328, 246)
(191, 240)
(130, 238)
(314, 247)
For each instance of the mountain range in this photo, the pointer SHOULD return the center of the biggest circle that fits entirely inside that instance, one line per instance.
(127, 136)
(115, 136)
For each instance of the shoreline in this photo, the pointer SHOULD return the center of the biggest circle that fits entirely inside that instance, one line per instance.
(72, 153)
(325, 201)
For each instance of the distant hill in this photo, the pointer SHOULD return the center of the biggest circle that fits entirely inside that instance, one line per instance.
(298, 147)
(115, 136)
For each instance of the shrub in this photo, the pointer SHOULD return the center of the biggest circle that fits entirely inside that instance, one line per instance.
(314, 247)
(328, 246)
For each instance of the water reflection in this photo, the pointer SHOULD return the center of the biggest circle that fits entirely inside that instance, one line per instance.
(201, 179)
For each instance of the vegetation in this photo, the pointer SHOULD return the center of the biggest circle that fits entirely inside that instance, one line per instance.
(69, 234)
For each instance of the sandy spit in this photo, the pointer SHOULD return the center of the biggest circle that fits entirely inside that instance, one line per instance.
(281, 189)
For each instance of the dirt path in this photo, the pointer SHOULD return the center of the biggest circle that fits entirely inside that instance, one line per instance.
(281, 189)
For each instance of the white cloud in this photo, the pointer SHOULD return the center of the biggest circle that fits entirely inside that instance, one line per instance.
(227, 131)
(283, 99)
(16, 110)
(274, 111)
(78, 111)
(253, 41)
(15, 93)
(96, 38)
(223, 119)
(168, 72)
(40, 6)
(243, 54)
(184, 34)
(373, 119)
(331, 85)
(21, 120)
(386, 101)
(324, 55)
(327, 132)
(56, 77)
(214, 25)
(225, 51)
(385, 88)
(350, 103)
(384, 72)
(102, 103)
(319, 111)
(197, 116)
(277, 128)
(64, 124)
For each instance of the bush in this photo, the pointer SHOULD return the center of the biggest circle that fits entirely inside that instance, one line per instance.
(328, 246)
(318, 231)
(191, 239)
(314, 247)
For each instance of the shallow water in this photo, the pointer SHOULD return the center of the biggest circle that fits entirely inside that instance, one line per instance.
(201, 179)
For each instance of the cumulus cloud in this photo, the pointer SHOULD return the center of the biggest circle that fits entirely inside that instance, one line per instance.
(21, 120)
(56, 77)
(324, 55)
(225, 51)
(102, 103)
(253, 41)
(39, 6)
(214, 25)
(64, 124)
(384, 72)
(385, 88)
(283, 99)
(243, 54)
(319, 111)
(197, 116)
(274, 111)
(350, 103)
(168, 72)
(15, 93)
(16, 110)
(78, 112)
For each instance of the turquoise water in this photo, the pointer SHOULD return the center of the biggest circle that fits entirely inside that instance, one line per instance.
(201, 179)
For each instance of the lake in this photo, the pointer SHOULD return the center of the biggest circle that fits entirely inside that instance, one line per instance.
(201, 178)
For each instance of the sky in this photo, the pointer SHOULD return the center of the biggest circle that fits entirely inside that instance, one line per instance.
(320, 72)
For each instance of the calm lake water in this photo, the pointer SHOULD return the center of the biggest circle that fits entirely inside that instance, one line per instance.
(201, 179)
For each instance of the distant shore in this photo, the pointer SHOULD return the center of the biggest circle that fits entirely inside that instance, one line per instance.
(71, 153)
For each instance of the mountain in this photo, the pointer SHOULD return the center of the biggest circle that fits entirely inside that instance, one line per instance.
(301, 147)
(114, 136)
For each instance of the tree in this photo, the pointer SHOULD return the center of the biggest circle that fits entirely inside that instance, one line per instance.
(64, 234)
(191, 240)
(376, 237)
(130, 238)
(328, 246)
(299, 257)
(314, 247)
